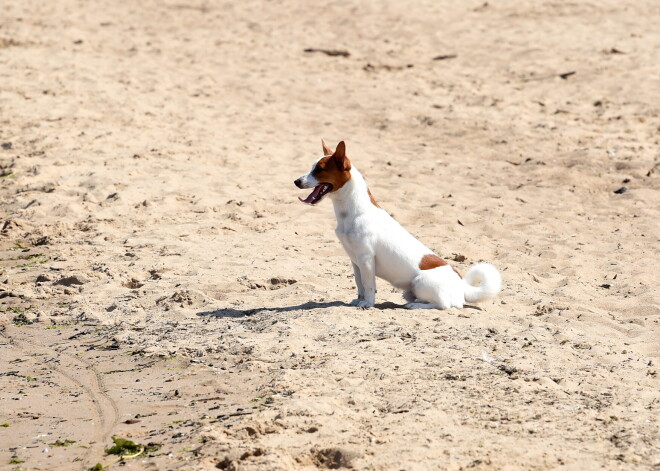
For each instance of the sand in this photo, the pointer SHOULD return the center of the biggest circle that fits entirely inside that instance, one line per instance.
(162, 283)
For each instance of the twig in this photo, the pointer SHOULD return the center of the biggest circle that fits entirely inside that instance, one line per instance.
(445, 57)
(329, 52)
(564, 76)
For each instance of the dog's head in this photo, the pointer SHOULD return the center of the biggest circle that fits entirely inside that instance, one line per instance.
(329, 174)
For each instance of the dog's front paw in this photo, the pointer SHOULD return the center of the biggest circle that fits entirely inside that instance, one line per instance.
(355, 302)
(364, 304)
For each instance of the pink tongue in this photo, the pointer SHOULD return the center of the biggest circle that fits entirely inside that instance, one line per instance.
(313, 195)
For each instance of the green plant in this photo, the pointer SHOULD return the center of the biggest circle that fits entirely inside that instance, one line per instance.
(63, 443)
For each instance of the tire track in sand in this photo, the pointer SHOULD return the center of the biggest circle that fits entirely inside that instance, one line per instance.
(105, 408)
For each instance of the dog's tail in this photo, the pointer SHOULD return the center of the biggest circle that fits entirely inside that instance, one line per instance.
(482, 282)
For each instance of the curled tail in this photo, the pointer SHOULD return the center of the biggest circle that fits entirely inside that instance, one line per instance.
(482, 282)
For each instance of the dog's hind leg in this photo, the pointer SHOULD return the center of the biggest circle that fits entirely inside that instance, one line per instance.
(421, 306)
(440, 287)
(409, 296)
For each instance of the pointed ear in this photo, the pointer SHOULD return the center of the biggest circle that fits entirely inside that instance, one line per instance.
(340, 157)
(326, 149)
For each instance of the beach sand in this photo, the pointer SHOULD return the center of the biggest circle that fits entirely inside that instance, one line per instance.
(162, 283)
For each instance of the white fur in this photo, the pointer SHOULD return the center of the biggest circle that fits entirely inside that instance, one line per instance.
(307, 180)
(482, 281)
(378, 246)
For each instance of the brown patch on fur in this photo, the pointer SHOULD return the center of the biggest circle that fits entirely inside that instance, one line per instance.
(373, 200)
(430, 261)
(333, 171)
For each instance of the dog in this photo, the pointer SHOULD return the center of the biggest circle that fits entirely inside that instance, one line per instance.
(379, 246)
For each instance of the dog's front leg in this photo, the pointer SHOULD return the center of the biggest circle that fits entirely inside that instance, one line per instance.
(358, 283)
(366, 266)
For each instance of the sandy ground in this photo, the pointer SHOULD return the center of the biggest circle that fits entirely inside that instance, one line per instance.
(162, 283)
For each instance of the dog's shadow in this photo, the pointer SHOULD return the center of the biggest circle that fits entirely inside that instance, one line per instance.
(237, 313)
(230, 312)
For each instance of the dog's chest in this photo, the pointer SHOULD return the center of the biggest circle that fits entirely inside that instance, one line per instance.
(345, 224)
(348, 234)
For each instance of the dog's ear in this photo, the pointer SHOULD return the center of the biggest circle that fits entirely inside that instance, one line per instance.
(326, 149)
(340, 157)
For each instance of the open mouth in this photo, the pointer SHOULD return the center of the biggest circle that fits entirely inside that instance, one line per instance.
(317, 194)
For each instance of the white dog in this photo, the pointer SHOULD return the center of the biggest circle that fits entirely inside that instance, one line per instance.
(378, 246)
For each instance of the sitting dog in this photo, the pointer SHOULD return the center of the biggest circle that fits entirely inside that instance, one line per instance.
(378, 246)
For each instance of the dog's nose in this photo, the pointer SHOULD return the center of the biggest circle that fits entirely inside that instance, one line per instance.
(298, 183)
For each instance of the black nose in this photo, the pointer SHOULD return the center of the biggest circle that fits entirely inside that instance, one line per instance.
(298, 183)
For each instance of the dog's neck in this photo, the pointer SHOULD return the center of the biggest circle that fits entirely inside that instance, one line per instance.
(352, 199)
